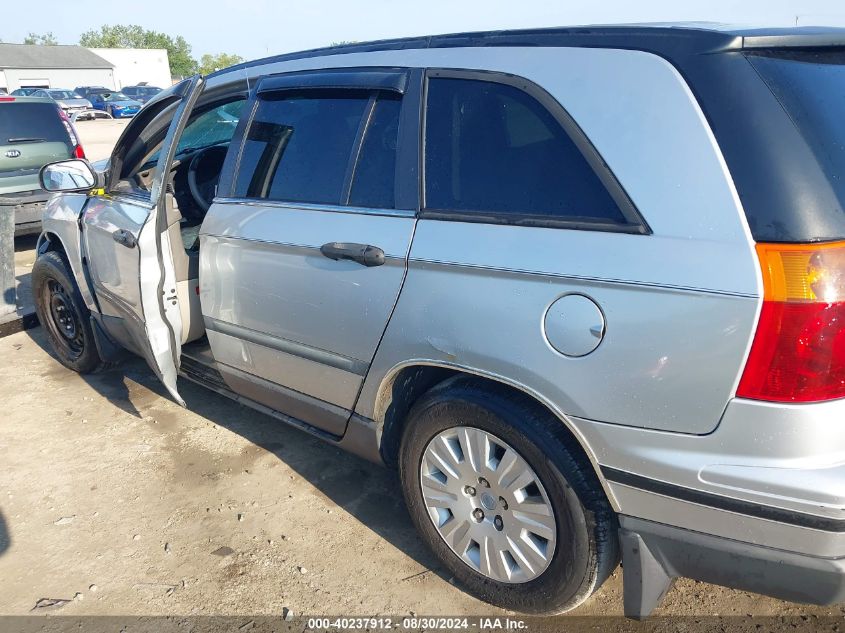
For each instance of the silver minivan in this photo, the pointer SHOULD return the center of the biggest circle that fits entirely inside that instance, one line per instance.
(583, 288)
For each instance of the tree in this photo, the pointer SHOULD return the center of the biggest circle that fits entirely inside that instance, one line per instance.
(47, 39)
(210, 63)
(134, 36)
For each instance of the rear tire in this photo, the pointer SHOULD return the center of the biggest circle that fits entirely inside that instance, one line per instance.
(64, 315)
(582, 549)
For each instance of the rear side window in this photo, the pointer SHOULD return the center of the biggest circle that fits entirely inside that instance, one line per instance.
(31, 123)
(333, 147)
(810, 85)
(495, 152)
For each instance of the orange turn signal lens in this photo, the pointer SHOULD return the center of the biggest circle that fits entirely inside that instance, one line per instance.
(803, 272)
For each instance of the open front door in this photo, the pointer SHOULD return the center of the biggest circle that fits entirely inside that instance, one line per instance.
(125, 235)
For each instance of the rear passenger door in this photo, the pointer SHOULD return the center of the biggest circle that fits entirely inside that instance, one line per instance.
(302, 261)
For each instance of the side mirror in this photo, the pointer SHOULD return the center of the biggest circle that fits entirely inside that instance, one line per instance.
(68, 175)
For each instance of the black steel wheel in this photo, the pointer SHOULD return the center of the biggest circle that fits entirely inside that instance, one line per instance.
(63, 314)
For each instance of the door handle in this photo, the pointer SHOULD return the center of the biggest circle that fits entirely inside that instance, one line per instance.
(125, 238)
(364, 254)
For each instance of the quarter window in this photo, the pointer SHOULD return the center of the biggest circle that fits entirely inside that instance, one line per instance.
(372, 184)
(493, 150)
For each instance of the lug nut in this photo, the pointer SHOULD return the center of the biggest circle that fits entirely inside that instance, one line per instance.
(483, 482)
(469, 490)
(478, 514)
(498, 523)
(503, 503)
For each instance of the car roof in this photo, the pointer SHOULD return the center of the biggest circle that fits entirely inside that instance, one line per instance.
(665, 39)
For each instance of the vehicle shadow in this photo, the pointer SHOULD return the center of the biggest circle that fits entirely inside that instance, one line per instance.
(24, 259)
(115, 385)
(5, 539)
(368, 492)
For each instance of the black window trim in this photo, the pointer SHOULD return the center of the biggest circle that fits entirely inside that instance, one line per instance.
(636, 224)
(406, 180)
(357, 144)
(232, 162)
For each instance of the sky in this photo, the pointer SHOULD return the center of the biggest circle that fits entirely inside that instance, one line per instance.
(257, 28)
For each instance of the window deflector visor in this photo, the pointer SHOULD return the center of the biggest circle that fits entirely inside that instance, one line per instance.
(389, 79)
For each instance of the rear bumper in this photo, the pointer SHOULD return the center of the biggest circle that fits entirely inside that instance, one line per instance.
(758, 504)
(653, 554)
(773, 475)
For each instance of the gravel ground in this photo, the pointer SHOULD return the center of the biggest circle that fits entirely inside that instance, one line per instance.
(113, 494)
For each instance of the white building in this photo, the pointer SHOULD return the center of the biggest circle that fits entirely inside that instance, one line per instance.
(35, 66)
(133, 66)
(31, 66)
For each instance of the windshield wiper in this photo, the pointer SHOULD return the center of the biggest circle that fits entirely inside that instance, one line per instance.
(26, 139)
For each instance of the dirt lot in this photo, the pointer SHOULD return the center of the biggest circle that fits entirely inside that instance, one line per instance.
(112, 493)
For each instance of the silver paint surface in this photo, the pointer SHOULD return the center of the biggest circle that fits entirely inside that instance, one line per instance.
(261, 268)
(657, 396)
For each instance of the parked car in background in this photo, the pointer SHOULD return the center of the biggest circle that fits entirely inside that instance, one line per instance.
(584, 288)
(33, 132)
(141, 92)
(3, 91)
(68, 100)
(90, 115)
(25, 92)
(116, 104)
(87, 91)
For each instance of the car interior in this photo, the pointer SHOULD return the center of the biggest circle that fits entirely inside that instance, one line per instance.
(191, 187)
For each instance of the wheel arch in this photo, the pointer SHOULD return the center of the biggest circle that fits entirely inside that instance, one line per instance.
(49, 241)
(68, 246)
(404, 383)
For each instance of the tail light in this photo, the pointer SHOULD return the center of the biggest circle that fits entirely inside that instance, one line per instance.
(798, 352)
(78, 152)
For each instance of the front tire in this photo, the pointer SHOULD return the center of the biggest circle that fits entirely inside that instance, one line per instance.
(498, 490)
(64, 315)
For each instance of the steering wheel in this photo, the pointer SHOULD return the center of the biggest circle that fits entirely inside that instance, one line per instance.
(204, 174)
